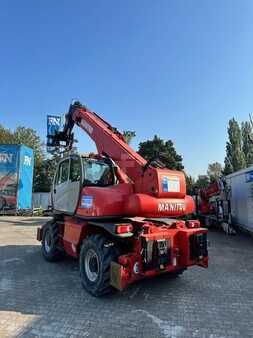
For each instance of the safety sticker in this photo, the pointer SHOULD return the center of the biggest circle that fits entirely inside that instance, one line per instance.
(170, 184)
(87, 202)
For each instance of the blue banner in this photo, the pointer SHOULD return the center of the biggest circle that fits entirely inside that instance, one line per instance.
(53, 124)
(26, 164)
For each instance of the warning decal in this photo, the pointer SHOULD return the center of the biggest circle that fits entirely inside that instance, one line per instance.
(87, 202)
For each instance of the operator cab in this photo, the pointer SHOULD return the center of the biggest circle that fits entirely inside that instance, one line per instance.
(73, 173)
(97, 173)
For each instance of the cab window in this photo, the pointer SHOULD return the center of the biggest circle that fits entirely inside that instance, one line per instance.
(75, 170)
(97, 173)
(63, 172)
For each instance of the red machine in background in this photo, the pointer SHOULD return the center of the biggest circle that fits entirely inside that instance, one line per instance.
(215, 189)
(213, 205)
(120, 214)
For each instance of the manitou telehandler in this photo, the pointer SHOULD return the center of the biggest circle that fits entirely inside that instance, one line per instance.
(118, 213)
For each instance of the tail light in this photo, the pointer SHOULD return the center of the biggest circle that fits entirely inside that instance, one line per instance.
(193, 224)
(124, 228)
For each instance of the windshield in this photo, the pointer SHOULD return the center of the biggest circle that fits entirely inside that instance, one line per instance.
(97, 173)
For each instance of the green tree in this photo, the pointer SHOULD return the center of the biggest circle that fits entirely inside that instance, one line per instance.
(165, 150)
(214, 171)
(235, 159)
(247, 145)
(190, 184)
(44, 176)
(202, 182)
(29, 137)
(228, 168)
(128, 135)
(5, 135)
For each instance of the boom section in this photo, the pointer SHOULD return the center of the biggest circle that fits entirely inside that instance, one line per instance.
(108, 141)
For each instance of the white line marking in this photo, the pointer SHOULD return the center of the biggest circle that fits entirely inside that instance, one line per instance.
(168, 329)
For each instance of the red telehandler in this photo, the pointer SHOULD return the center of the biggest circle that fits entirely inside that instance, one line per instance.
(118, 213)
(213, 206)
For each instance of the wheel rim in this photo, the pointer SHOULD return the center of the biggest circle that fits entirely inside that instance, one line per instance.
(91, 264)
(48, 241)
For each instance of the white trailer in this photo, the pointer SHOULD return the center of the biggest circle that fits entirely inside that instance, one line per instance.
(240, 185)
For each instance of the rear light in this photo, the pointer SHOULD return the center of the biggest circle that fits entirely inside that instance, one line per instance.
(124, 228)
(193, 224)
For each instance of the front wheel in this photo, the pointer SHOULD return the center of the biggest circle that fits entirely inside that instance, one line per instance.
(50, 243)
(95, 259)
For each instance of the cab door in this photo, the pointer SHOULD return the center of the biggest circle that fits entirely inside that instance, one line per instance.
(60, 188)
(75, 183)
(67, 185)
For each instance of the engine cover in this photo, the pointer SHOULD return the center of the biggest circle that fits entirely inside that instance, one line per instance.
(149, 206)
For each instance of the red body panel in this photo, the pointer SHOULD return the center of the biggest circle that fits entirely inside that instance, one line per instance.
(107, 201)
(148, 206)
(151, 183)
(180, 258)
(119, 200)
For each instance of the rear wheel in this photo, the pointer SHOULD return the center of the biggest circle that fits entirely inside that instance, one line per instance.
(177, 273)
(50, 243)
(96, 255)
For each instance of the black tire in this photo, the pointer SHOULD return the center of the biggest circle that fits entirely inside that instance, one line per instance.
(2, 202)
(177, 273)
(95, 270)
(50, 243)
